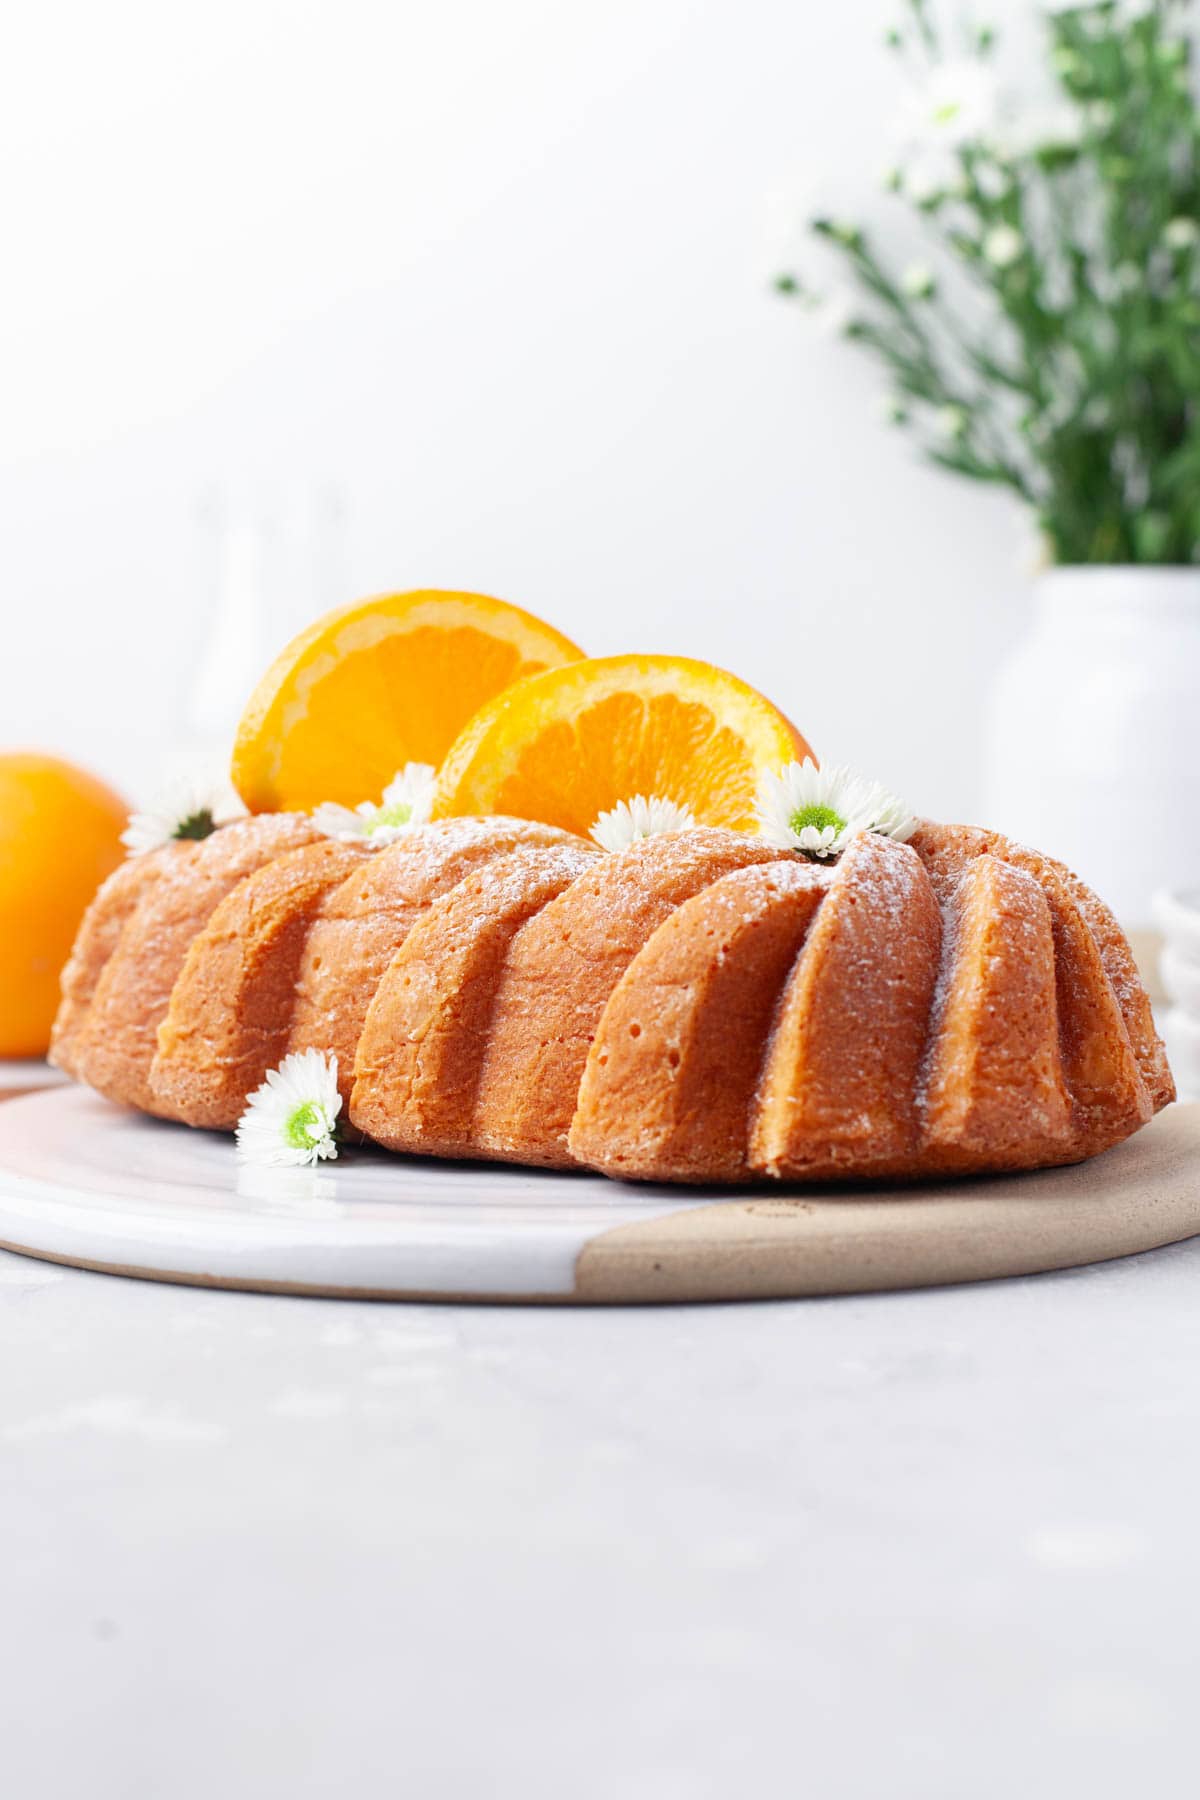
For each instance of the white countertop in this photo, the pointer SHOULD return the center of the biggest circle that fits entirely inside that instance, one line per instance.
(931, 1544)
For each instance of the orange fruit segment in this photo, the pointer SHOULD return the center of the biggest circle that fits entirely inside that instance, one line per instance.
(378, 684)
(568, 744)
(60, 835)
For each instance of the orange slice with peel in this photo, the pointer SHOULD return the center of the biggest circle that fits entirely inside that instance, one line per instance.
(378, 684)
(567, 745)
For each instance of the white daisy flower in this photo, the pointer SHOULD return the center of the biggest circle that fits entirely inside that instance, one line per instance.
(931, 176)
(1181, 233)
(189, 807)
(1100, 115)
(950, 422)
(407, 801)
(818, 810)
(640, 817)
(1003, 245)
(292, 1118)
(918, 281)
(956, 105)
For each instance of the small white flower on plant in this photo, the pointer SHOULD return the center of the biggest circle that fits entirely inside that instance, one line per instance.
(1003, 245)
(833, 312)
(932, 176)
(957, 104)
(950, 422)
(191, 806)
(1181, 234)
(407, 801)
(1100, 115)
(641, 817)
(842, 231)
(918, 281)
(291, 1119)
(818, 810)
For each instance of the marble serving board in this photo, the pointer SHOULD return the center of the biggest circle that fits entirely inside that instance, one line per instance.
(19, 1077)
(87, 1183)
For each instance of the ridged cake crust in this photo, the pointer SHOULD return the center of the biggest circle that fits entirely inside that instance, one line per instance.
(995, 1029)
(417, 1072)
(230, 1014)
(700, 1021)
(564, 964)
(842, 1074)
(701, 1007)
(114, 1036)
(362, 923)
(95, 943)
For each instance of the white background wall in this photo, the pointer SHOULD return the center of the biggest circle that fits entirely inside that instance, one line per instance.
(491, 277)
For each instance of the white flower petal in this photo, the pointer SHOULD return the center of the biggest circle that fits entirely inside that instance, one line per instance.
(290, 1120)
(957, 103)
(207, 799)
(932, 175)
(918, 281)
(407, 801)
(856, 805)
(1181, 233)
(412, 787)
(950, 422)
(338, 822)
(1003, 245)
(641, 817)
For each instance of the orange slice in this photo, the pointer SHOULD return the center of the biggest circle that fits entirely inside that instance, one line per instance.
(566, 745)
(378, 684)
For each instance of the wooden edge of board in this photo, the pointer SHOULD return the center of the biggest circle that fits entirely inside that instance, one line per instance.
(1139, 1196)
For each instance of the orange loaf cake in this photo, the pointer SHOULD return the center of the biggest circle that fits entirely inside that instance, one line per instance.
(699, 1007)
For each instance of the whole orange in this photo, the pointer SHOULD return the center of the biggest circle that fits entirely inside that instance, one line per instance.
(60, 835)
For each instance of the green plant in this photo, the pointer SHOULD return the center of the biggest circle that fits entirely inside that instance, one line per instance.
(1051, 343)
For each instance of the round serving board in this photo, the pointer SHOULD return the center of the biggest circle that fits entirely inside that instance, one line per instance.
(18, 1077)
(84, 1182)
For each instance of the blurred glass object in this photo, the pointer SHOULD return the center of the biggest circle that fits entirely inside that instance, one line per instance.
(233, 647)
(267, 566)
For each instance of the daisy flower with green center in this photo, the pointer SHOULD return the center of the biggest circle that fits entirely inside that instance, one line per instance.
(189, 807)
(818, 810)
(407, 801)
(642, 817)
(291, 1120)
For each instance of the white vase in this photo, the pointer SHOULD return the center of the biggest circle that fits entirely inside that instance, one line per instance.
(1092, 747)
